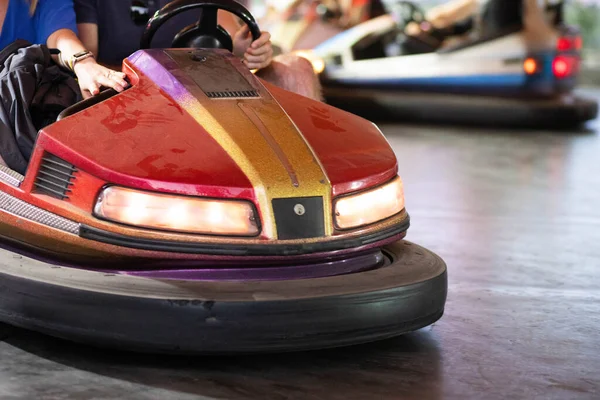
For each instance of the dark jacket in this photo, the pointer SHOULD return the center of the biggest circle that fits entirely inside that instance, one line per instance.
(33, 91)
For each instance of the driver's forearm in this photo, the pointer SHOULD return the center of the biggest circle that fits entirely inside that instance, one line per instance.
(357, 14)
(451, 13)
(228, 21)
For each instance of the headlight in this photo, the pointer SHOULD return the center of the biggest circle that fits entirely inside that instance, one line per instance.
(370, 206)
(177, 213)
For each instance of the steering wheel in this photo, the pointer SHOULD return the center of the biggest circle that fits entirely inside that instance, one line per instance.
(405, 12)
(206, 33)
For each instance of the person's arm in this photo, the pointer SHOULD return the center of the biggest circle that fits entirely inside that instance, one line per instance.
(354, 12)
(255, 54)
(450, 13)
(56, 26)
(91, 75)
(229, 21)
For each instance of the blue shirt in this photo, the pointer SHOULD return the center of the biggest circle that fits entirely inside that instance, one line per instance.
(49, 16)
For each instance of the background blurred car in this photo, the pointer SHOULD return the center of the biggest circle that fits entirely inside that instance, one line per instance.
(520, 60)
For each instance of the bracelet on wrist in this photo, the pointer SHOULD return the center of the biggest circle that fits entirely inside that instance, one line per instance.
(75, 58)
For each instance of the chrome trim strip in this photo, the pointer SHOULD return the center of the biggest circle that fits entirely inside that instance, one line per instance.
(11, 177)
(25, 210)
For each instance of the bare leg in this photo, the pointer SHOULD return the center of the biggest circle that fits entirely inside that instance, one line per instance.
(293, 73)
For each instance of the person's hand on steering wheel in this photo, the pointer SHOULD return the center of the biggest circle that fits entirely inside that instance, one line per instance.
(216, 30)
(255, 54)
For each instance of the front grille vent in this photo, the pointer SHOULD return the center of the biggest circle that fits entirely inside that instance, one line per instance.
(232, 94)
(55, 177)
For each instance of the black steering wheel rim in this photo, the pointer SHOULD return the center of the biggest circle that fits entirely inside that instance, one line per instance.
(207, 25)
(408, 12)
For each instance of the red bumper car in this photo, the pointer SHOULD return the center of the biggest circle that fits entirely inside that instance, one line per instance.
(205, 211)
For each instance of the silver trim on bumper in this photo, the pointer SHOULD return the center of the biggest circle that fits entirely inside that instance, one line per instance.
(11, 177)
(25, 210)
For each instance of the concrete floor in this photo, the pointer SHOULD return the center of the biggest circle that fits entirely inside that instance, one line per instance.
(515, 216)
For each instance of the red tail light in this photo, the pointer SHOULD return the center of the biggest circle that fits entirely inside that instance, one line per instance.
(563, 44)
(569, 43)
(565, 66)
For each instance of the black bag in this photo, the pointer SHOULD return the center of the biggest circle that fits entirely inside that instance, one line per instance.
(33, 91)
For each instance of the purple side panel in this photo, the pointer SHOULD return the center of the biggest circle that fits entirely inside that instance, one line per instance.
(355, 264)
(158, 65)
(292, 269)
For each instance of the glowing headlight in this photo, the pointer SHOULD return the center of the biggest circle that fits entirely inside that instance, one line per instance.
(177, 213)
(370, 206)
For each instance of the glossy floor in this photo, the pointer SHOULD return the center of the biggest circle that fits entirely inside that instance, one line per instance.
(516, 217)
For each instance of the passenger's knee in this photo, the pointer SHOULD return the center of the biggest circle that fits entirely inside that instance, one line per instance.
(293, 73)
(296, 63)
